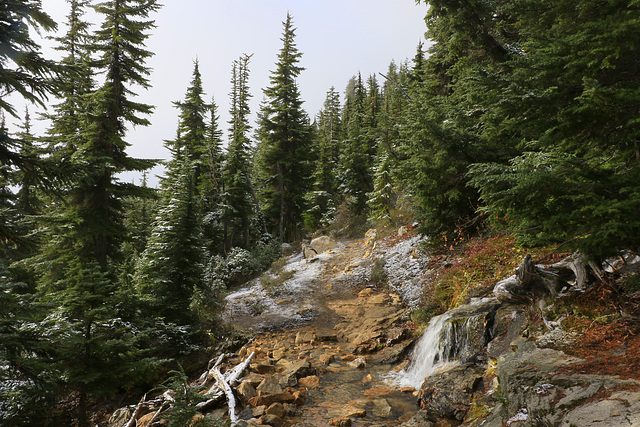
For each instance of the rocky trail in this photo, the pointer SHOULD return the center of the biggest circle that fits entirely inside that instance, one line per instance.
(333, 346)
(327, 342)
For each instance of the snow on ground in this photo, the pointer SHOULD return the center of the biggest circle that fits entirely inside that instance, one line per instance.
(259, 308)
(404, 264)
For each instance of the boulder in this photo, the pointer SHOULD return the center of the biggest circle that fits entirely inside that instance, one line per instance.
(322, 244)
(448, 394)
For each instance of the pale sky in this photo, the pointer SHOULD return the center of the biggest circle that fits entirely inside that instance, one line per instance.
(338, 38)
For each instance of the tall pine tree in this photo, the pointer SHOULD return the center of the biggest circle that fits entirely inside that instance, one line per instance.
(285, 143)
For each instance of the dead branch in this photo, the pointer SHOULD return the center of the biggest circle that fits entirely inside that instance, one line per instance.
(134, 417)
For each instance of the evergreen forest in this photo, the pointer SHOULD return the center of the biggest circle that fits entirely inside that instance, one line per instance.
(522, 117)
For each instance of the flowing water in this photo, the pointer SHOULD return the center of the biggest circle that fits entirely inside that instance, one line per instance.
(456, 335)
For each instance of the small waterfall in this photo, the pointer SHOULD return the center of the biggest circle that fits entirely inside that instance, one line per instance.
(455, 335)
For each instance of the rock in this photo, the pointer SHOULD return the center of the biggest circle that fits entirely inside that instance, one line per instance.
(322, 244)
(269, 399)
(381, 408)
(353, 411)
(284, 301)
(262, 368)
(340, 422)
(276, 408)
(290, 409)
(358, 363)
(259, 411)
(253, 378)
(380, 299)
(303, 337)
(246, 391)
(278, 353)
(378, 391)
(272, 420)
(270, 385)
(621, 409)
(310, 382)
(120, 417)
(367, 379)
(287, 249)
(448, 394)
(366, 292)
(296, 370)
(421, 419)
(326, 336)
(299, 397)
(326, 359)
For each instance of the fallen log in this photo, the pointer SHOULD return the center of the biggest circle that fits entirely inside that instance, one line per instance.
(530, 281)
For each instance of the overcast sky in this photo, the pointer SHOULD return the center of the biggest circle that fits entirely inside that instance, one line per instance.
(337, 38)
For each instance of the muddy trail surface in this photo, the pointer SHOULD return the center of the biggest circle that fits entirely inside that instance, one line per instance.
(327, 343)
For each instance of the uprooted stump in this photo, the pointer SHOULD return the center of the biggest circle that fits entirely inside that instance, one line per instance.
(572, 274)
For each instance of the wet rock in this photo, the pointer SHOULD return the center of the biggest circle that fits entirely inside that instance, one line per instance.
(340, 422)
(381, 408)
(326, 359)
(295, 370)
(420, 419)
(299, 398)
(310, 382)
(290, 409)
(378, 391)
(367, 379)
(269, 399)
(448, 394)
(358, 363)
(353, 411)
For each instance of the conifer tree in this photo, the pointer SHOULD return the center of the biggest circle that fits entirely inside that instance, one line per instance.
(193, 129)
(323, 197)
(172, 263)
(383, 197)
(285, 143)
(236, 197)
(358, 151)
(80, 261)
